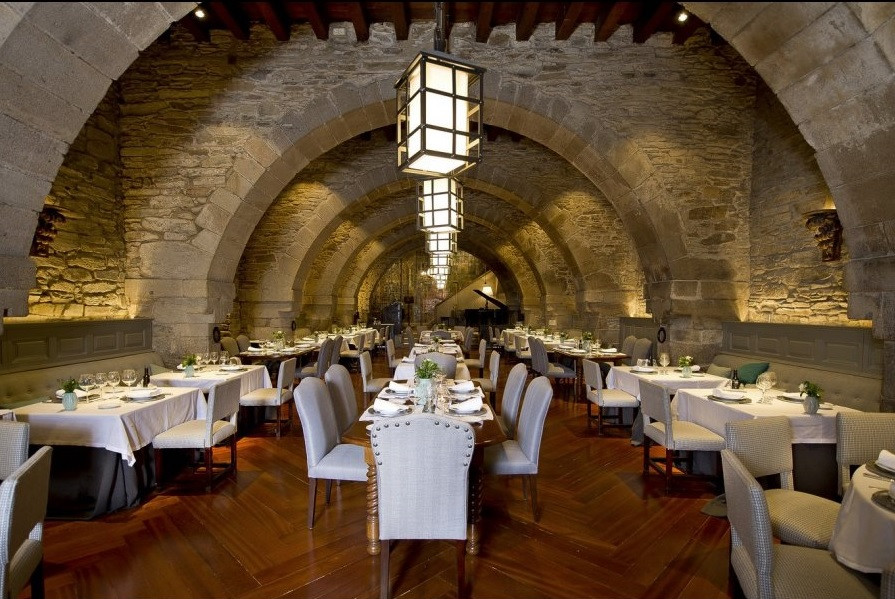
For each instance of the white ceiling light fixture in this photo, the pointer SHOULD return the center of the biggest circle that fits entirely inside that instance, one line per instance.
(441, 243)
(440, 205)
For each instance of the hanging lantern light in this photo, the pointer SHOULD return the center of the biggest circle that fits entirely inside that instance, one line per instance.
(438, 271)
(439, 111)
(440, 204)
(441, 260)
(441, 243)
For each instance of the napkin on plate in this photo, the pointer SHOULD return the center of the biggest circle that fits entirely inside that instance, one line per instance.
(609, 350)
(886, 460)
(725, 394)
(469, 406)
(79, 392)
(408, 360)
(792, 395)
(142, 392)
(463, 387)
(399, 387)
(383, 406)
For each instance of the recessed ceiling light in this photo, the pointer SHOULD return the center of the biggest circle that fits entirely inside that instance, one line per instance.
(200, 13)
(682, 17)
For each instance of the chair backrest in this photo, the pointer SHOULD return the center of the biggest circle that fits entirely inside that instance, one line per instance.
(628, 345)
(538, 355)
(494, 368)
(229, 345)
(370, 340)
(318, 420)
(593, 378)
(23, 497)
(643, 348)
(763, 446)
(324, 357)
(422, 474)
(242, 341)
(751, 539)
(366, 368)
(447, 363)
(286, 374)
(390, 351)
(512, 398)
(483, 350)
(520, 342)
(223, 404)
(13, 446)
(531, 418)
(441, 335)
(655, 403)
(467, 340)
(860, 436)
(341, 390)
(335, 353)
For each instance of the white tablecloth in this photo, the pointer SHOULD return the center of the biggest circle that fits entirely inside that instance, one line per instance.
(254, 377)
(694, 405)
(123, 430)
(864, 537)
(622, 377)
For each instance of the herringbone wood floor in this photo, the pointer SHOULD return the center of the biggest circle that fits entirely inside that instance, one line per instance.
(603, 532)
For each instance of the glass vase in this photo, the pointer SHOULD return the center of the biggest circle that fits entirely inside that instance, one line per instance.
(811, 403)
(686, 371)
(69, 401)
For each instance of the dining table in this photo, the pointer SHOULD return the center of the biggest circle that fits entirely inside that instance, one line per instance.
(864, 536)
(263, 354)
(487, 432)
(251, 377)
(577, 357)
(406, 370)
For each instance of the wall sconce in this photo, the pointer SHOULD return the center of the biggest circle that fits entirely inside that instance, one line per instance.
(828, 232)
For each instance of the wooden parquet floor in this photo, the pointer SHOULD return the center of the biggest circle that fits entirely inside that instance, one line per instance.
(603, 532)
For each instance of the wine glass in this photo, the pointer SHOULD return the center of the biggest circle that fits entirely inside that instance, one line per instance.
(129, 377)
(664, 360)
(225, 356)
(86, 382)
(214, 357)
(764, 383)
(114, 379)
(100, 378)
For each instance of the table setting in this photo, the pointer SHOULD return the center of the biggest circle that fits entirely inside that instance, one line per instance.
(456, 399)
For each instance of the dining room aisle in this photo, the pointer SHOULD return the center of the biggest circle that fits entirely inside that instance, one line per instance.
(602, 533)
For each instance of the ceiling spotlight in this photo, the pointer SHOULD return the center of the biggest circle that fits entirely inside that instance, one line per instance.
(682, 17)
(199, 13)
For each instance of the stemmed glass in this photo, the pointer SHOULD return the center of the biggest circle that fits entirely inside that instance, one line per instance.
(764, 383)
(86, 382)
(129, 377)
(114, 379)
(664, 361)
(213, 357)
(224, 357)
(100, 378)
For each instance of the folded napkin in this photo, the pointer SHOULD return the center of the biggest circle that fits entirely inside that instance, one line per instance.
(399, 387)
(792, 395)
(609, 350)
(142, 392)
(722, 393)
(886, 460)
(383, 406)
(469, 406)
(255, 349)
(79, 392)
(463, 386)
(408, 360)
(695, 368)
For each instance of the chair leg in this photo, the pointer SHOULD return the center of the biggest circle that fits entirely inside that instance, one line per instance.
(461, 569)
(158, 468)
(209, 468)
(646, 444)
(600, 421)
(589, 412)
(37, 581)
(384, 582)
(279, 419)
(233, 455)
(312, 500)
(329, 488)
(669, 467)
(533, 491)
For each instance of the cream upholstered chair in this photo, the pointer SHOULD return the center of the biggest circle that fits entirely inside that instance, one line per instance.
(318, 368)
(341, 390)
(242, 340)
(512, 399)
(509, 342)
(768, 570)
(13, 446)
(23, 507)
(605, 398)
(860, 436)
(393, 360)
(675, 436)
(480, 361)
(541, 364)
(523, 352)
(628, 347)
(764, 446)
(643, 349)
(327, 458)
(353, 355)
(489, 383)
(335, 354)
(203, 434)
(519, 456)
(446, 362)
(275, 397)
(229, 345)
(422, 482)
(371, 385)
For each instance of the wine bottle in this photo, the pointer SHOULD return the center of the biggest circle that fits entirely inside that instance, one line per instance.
(146, 376)
(734, 380)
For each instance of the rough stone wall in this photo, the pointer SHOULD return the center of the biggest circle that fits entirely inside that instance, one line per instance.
(789, 281)
(83, 277)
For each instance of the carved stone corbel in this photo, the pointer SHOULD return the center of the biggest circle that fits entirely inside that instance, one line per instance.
(828, 232)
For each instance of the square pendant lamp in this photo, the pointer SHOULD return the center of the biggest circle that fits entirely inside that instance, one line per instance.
(440, 205)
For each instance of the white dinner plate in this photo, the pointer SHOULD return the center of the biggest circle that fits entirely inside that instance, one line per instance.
(232, 368)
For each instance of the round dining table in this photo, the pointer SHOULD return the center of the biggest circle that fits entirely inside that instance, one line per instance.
(487, 433)
(864, 531)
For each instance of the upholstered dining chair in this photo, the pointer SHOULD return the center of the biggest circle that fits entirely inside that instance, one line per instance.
(275, 397)
(318, 368)
(676, 436)
(335, 354)
(540, 363)
(764, 447)
(447, 363)
(489, 383)
(371, 386)
(229, 345)
(353, 354)
(860, 436)
(393, 360)
(341, 390)
(23, 507)
(519, 456)
(243, 342)
(445, 335)
(605, 398)
(13, 446)
(768, 570)
(327, 458)
(643, 349)
(481, 360)
(203, 434)
(523, 351)
(627, 347)
(511, 399)
(422, 476)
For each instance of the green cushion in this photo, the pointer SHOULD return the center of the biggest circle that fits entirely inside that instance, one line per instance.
(747, 373)
(719, 370)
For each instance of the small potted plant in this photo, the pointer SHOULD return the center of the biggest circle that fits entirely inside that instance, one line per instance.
(69, 394)
(189, 365)
(279, 339)
(587, 338)
(425, 372)
(812, 394)
(686, 365)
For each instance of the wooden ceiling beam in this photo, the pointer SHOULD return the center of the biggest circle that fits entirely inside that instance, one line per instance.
(360, 21)
(319, 23)
(610, 23)
(401, 18)
(232, 18)
(567, 20)
(651, 20)
(276, 18)
(483, 22)
(527, 21)
(686, 29)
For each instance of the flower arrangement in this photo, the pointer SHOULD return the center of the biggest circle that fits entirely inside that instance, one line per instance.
(278, 335)
(685, 361)
(587, 336)
(427, 369)
(809, 388)
(69, 385)
(190, 360)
